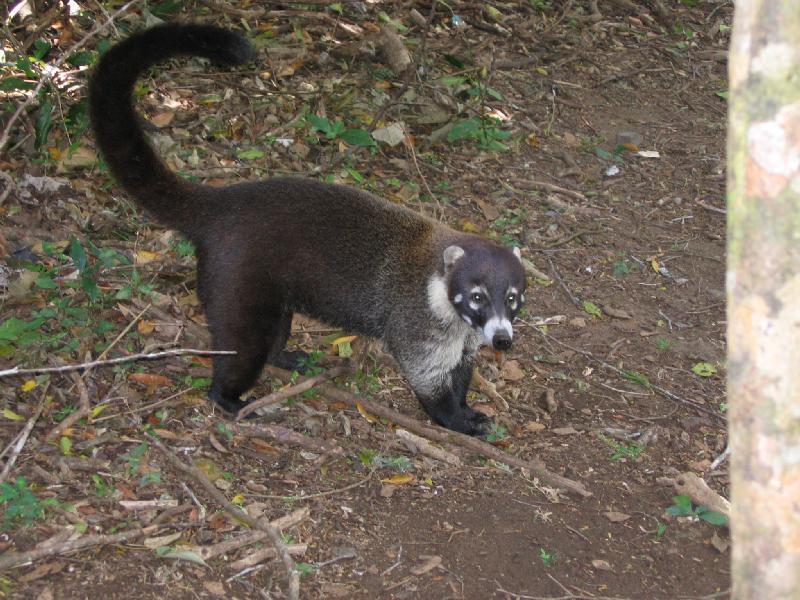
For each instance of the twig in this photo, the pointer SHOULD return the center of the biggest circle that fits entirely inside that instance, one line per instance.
(548, 187)
(710, 207)
(294, 390)
(423, 446)
(84, 410)
(570, 295)
(54, 67)
(16, 559)
(283, 435)
(442, 435)
(23, 436)
(346, 488)
(720, 459)
(272, 533)
(17, 371)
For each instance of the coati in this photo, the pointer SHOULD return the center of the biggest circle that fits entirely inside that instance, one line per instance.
(268, 249)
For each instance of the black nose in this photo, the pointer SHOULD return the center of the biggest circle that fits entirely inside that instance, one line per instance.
(501, 341)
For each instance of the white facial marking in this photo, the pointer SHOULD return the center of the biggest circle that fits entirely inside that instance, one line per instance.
(458, 298)
(522, 298)
(495, 324)
(517, 253)
(474, 306)
(467, 319)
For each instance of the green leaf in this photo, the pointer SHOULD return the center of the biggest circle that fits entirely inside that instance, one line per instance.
(358, 137)
(712, 516)
(637, 378)
(320, 123)
(78, 254)
(604, 154)
(704, 369)
(251, 154)
(167, 552)
(468, 128)
(345, 350)
(40, 49)
(45, 282)
(44, 120)
(592, 308)
(456, 62)
(15, 83)
(65, 445)
(452, 80)
(81, 59)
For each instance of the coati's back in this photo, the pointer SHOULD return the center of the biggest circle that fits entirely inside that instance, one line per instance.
(343, 256)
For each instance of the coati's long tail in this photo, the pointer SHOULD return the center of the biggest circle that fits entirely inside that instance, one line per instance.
(131, 158)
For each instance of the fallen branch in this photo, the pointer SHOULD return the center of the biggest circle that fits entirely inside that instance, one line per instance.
(10, 560)
(284, 435)
(23, 436)
(423, 446)
(263, 554)
(547, 187)
(442, 435)
(84, 410)
(272, 533)
(294, 390)
(17, 371)
(689, 484)
(251, 537)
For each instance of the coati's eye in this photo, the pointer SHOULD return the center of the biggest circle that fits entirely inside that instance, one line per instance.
(512, 299)
(477, 298)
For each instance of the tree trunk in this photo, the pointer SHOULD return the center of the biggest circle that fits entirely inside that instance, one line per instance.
(764, 298)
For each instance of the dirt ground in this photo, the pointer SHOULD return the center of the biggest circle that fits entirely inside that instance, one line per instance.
(615, 380)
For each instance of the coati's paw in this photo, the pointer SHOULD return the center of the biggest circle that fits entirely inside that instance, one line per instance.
(471, 422)
(296, 360)
(230, 407)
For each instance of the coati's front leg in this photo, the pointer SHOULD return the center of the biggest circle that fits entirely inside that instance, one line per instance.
(444, 398)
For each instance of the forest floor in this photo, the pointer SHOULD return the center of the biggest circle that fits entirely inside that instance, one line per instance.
(616, 378)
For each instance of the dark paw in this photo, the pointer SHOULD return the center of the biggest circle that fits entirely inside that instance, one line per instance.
(230, 407)
(297, 360)
(470, 422)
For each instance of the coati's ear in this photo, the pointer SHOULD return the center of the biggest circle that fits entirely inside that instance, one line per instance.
(517, 253)
(451, 255)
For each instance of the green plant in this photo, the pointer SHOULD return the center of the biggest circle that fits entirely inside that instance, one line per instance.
(622, 450)
(662, 343)
(21, 505)
(134, 457)
(546, 557)
(683, 508)
(496, 433)
(486, 132)
(337, 130)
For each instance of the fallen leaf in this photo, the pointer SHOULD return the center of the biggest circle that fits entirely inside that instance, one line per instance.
(263, 447)
(163, 118)
(29, 385)
(162, 540)
(617, 313)
(489, 210)
(150, 379)
(565, 431)
(215, 588)
(399, 479)
(602, 565)
(534, 426)
(719, 544)
(616, 517)
(391, 134)
(368, 417)
(145, 327)
(145, 256)
(431, 562)
(511, 371)
(387, 491)
(11, 415)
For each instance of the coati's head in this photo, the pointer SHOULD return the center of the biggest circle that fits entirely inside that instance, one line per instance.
(485, 286)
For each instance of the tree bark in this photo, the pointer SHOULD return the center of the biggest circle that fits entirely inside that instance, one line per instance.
(764, 298)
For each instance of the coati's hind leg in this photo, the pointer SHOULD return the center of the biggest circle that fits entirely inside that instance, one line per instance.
(250, 329)
(295, 360)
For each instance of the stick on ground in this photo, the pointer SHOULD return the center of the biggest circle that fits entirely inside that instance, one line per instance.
(272, 533)
(442, 435)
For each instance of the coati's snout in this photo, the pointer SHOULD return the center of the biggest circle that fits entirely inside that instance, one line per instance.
(486, 288)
